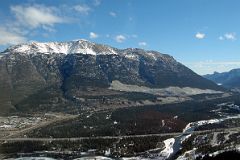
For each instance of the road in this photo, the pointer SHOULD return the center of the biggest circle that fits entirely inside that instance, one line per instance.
(114, 137)
(83, 138)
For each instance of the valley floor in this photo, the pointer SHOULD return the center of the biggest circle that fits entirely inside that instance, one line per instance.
(190, 130)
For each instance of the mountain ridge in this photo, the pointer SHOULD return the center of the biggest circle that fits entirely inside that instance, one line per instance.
(61, 79)
(230, 79)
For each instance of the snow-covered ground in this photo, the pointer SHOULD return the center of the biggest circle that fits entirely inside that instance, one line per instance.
(185, 138)
(191, 126)
(188, 155)
(168, 148)
(172, 148)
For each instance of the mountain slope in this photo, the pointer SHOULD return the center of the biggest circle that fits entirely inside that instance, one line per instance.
(60, 75)
(229, 79)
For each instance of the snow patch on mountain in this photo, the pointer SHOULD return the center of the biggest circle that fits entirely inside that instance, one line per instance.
(152, 55)
(132, 56)
(71, 47)
(82, 46)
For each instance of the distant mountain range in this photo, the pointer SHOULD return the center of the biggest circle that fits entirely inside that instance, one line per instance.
(229, 79)
(63, 75)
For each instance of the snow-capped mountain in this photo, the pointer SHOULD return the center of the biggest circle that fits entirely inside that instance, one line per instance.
(56, 74)
(81, 46)
(71, 47)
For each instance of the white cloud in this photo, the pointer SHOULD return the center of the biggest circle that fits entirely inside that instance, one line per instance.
(142, 44)
(230, 36)
(208, 67)
(93, 35)
(36, 16)
(221, 38)
(96, 2)
(200, 35)
(113, 14)
(38, 20)
(82, 8)
(120, 38)
(9, 38)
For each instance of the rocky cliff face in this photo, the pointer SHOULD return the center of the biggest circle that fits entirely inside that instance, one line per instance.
(43, 75)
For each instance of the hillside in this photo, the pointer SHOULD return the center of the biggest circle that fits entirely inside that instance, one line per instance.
(229, 79)
(68, 76)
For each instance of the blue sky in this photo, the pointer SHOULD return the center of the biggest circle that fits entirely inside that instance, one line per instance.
(202, 34)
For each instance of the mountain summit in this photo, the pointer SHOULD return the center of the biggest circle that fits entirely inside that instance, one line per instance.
(63, 75)
(78, 46)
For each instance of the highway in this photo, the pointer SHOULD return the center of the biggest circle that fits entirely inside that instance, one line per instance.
(9, 139)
